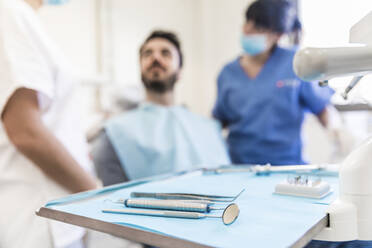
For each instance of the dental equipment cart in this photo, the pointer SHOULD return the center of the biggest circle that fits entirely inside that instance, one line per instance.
(266, 219)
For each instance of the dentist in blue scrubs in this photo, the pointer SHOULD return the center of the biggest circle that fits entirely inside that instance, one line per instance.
(260, 99)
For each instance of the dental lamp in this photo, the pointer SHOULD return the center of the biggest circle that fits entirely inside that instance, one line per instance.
(350, 216)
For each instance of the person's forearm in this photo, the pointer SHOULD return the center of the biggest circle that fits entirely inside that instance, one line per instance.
(25, 128)
(46, 152)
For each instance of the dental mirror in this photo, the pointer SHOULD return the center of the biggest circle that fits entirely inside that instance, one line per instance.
(230, 214)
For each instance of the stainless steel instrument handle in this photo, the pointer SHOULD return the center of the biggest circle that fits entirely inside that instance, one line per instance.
(167, 205)
(172, 214)
(186, 215)
(152, 195)
(180, 196)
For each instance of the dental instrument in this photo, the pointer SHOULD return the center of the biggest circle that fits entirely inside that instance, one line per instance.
(351, 86)
(186, 196)
(177, 205)
(230, 214)
(265, 169)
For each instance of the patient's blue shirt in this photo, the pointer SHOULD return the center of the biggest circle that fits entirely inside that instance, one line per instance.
(153, 140)
(264, 115)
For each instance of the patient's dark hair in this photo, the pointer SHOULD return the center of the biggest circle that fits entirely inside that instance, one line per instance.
(169, 36)
(275, 15)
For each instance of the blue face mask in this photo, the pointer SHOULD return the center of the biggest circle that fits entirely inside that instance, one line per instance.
(55, 2)
(254, 44)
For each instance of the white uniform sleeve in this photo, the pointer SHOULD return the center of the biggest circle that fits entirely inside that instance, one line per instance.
(22, 62)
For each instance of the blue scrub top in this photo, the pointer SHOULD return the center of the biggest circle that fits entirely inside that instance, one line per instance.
(264, 115)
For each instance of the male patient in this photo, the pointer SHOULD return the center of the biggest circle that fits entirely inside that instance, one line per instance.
(158, 137)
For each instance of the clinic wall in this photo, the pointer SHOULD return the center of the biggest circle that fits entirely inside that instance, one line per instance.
(73, 27)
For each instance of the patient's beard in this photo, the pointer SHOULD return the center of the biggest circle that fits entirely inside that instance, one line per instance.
(160, 86)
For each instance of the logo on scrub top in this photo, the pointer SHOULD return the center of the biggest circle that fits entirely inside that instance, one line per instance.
(287, 83)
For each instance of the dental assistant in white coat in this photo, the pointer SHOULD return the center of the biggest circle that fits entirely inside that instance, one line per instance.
(43, 153)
